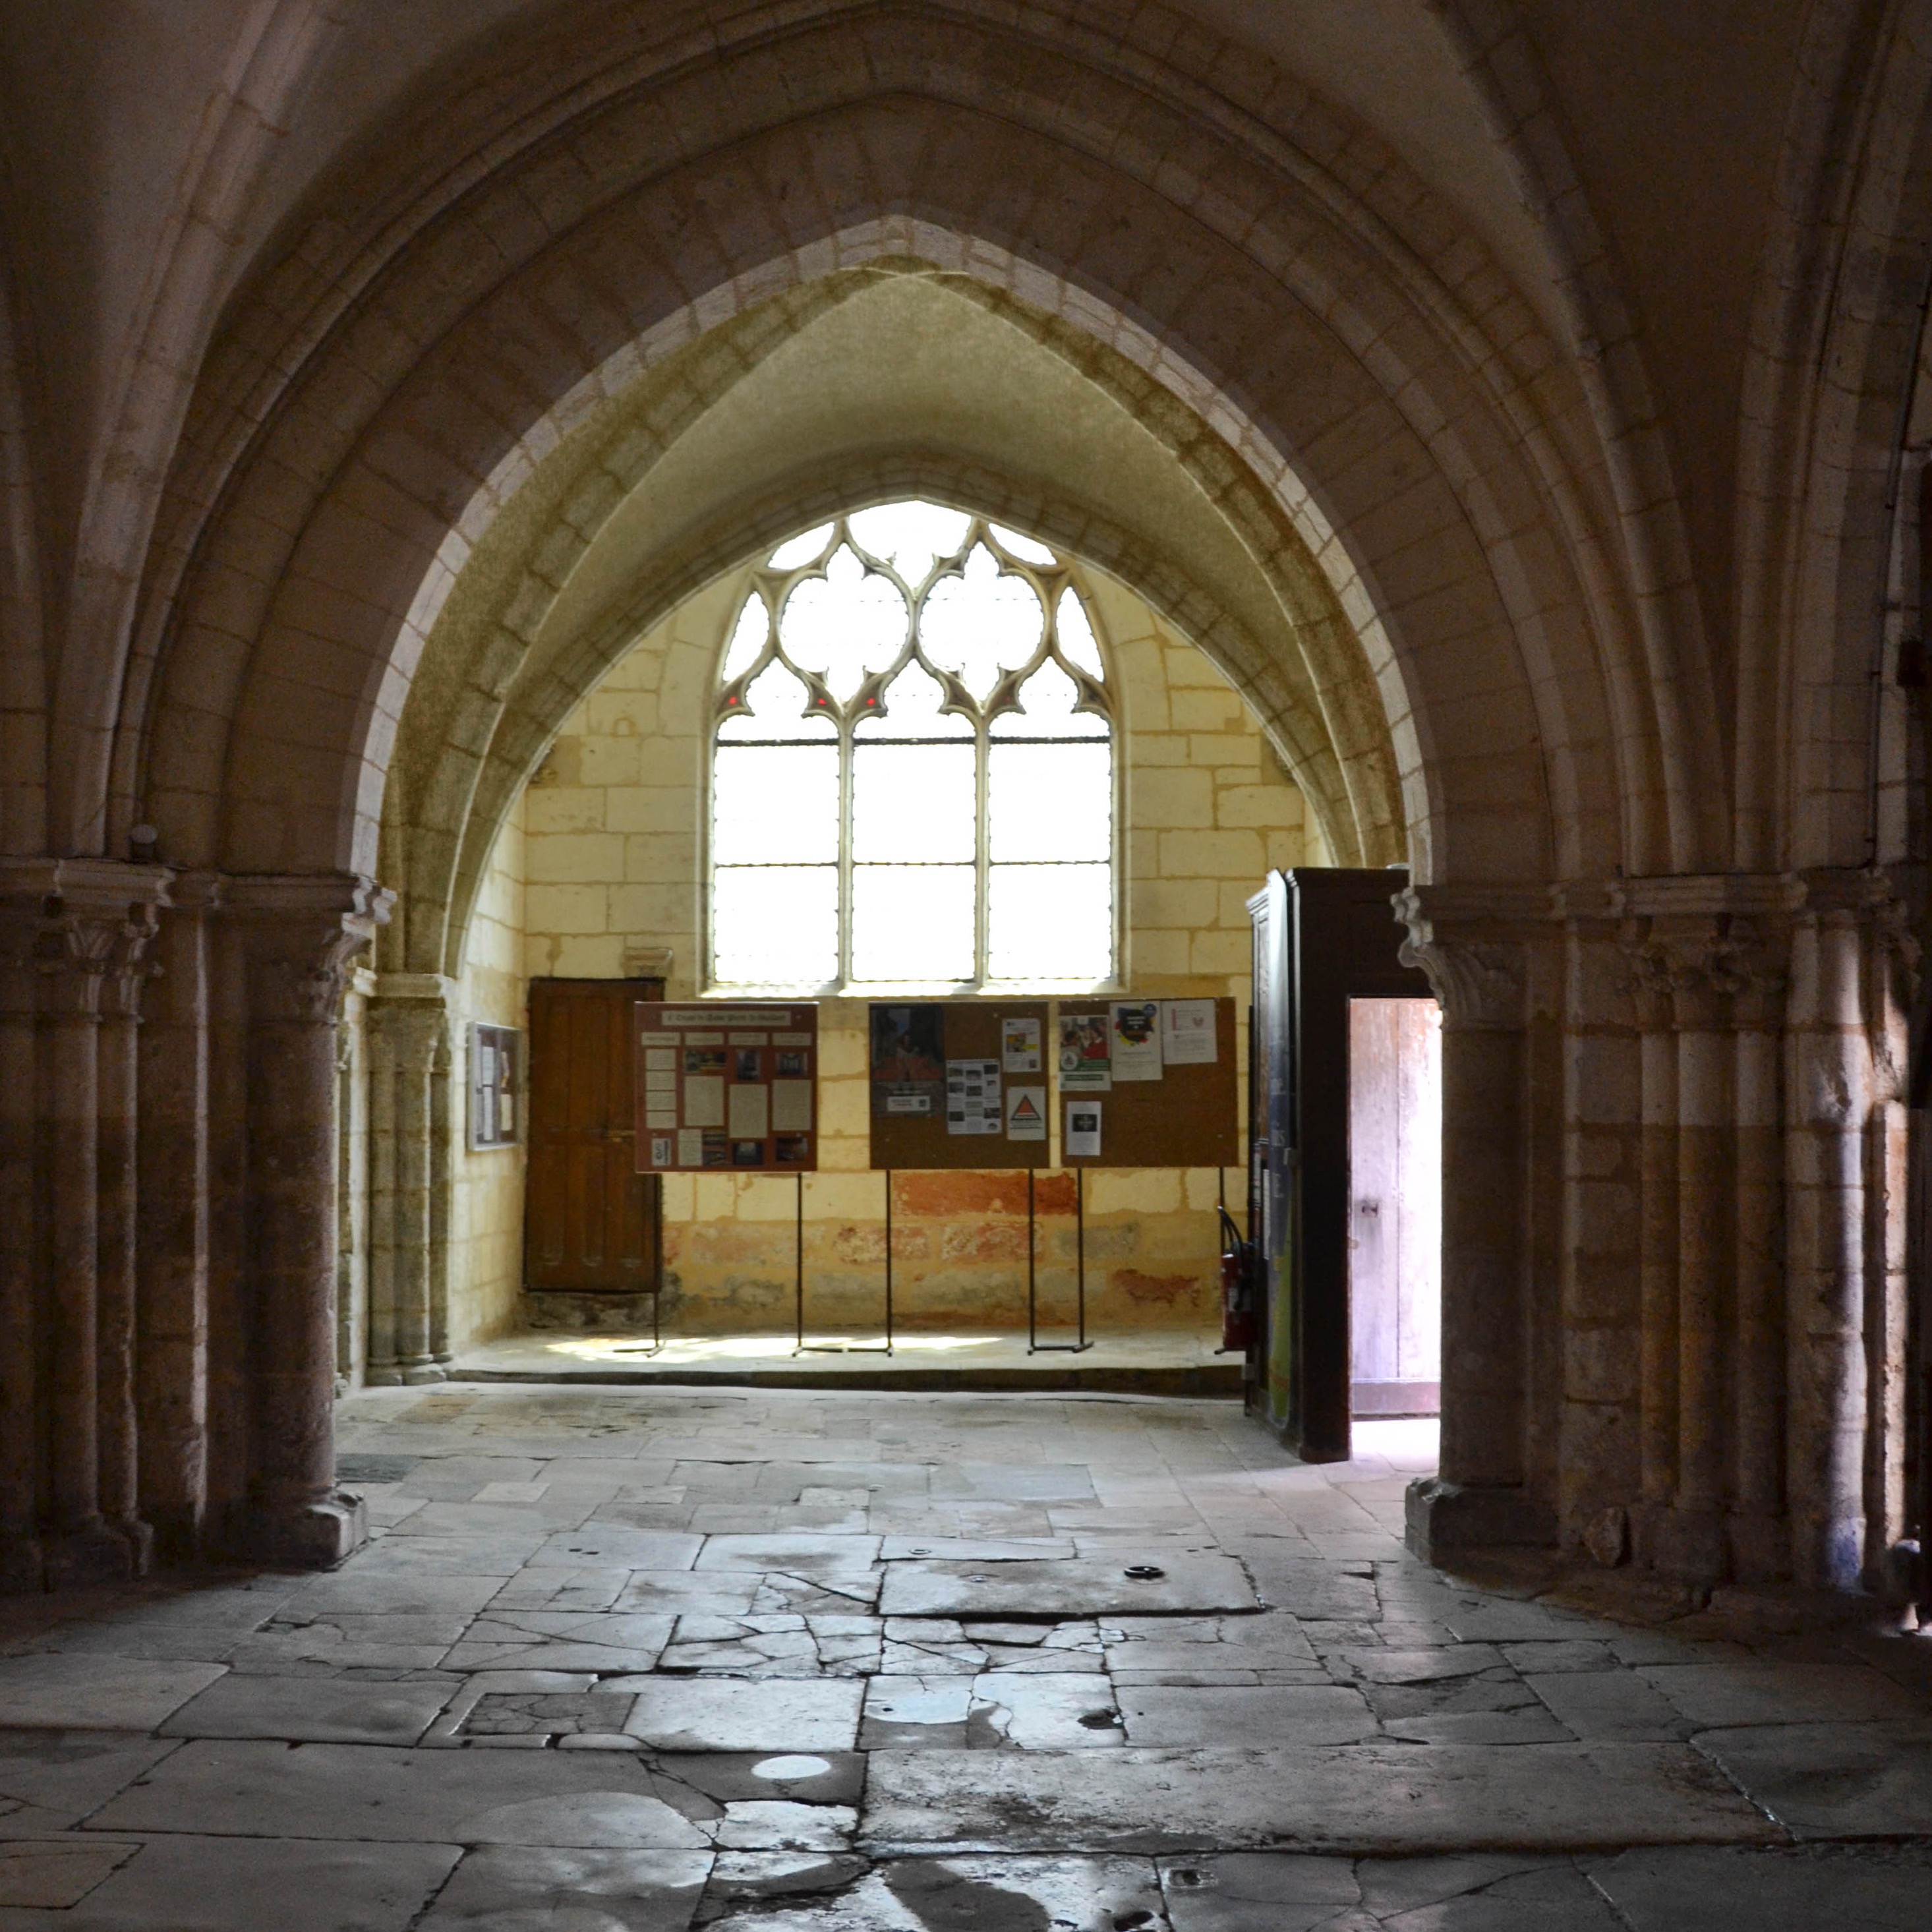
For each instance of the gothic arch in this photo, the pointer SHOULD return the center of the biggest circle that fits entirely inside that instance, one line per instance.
(1440, 474)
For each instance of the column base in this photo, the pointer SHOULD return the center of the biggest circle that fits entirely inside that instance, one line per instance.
(99, 1554)
(311, 1536)
(1447, 1519)
(387, 1376)
(417, 1373)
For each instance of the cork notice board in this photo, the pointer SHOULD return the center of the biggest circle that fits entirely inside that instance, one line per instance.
(733, 1088)
(1187, 1116)
(935, 1067)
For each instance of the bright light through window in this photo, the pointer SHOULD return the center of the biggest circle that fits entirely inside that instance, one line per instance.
(913, 782)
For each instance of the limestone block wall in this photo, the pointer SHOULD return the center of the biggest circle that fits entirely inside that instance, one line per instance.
(613, 861)
(486, 1233)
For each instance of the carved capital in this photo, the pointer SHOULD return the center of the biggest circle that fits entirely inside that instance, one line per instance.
(1706, 974)
(91, 930)
(302, 935)
(1479, 969)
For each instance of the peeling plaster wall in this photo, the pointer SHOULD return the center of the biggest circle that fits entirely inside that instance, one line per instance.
(614, 862)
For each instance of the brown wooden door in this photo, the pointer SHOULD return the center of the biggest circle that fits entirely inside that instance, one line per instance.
(590, 1220)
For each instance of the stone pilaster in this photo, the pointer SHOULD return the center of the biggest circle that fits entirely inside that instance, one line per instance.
(1475, 946)
(20, 1555)
(299, 935)
(409, 1060)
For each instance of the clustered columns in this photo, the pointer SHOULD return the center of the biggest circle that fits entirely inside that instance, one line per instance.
(1683, 1342)
(407, 1029)
(167, 1157)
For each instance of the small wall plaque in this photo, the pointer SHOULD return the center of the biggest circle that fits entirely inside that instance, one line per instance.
(495, 1086)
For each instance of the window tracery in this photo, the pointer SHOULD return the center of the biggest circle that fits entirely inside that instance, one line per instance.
(913, 777)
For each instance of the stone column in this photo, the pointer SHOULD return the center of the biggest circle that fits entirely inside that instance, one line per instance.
(129, 967)
(172, 1320)
(408, 1032)
(300, 934)
(1474, 945)
(1829, 1076)
(20, 1555)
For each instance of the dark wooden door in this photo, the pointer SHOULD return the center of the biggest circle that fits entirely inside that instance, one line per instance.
(590, 1219)
(1323, 937)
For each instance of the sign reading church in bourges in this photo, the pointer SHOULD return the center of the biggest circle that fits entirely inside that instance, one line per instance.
(727, 1088)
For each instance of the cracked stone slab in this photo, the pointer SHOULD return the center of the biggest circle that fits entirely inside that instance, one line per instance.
(1299, 1715)
(604, 1546)
(49, 1779)
(965, 1549)
(1719, 1696)
(1874, 1887)
(998, 1894)
(801, 1553)
(728, 1714)
(200, 1884)
(64, 1690)
(494, 1890)
(596, 1799)
(1834, 1780)
(1193, 1585)
(1365, 1798)
(329, 1710)
(56, 1873)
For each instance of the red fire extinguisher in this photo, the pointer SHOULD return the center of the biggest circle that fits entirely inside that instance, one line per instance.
(1237, 1287)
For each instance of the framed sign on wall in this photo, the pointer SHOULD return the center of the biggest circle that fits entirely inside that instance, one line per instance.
(496, 1085)
(728, 1086)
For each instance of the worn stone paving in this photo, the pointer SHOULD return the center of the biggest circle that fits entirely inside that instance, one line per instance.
(656, 1659)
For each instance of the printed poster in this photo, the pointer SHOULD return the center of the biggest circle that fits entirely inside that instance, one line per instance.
(1083, 1130)
(1019, 1045)
(1086, 1062)
(1187, 1032)
(908, 1060)
(1026, 1113)
(1135, 1041)
(973, 1097)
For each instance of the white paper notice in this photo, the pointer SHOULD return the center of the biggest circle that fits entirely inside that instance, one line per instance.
(704, 1101)
(973, 1097)
(1187, 1032)
(1083, 1129)
(1026, 1113)
(660, 1147)
(1134, 1027)
(660, 1059)
(791, 1106)
(690, 1148)
(1019, 1045)
(751, 1113)
(660, 1117)
(909, 1103)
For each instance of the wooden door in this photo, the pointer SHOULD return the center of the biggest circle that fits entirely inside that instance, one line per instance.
(1395, 1205)
(590, 1219)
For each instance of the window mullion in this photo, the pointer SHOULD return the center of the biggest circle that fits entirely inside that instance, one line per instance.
(982, 883)
(846, 751)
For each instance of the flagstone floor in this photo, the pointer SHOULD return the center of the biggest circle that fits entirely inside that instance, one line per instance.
(831, 1661)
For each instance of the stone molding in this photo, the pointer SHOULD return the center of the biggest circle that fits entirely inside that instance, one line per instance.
(1472, 942)
(304, 931)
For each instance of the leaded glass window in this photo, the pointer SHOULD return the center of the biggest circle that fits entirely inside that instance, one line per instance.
(913, 774)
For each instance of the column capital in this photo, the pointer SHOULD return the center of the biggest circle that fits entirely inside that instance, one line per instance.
(93, 922)
(1473, 942)
(301, 932)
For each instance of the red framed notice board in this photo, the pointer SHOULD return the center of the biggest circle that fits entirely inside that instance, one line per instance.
(733, 1089)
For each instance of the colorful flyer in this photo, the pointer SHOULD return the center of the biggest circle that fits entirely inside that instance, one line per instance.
(1019, 1045)
(1134, 1027)
(1086, 1062)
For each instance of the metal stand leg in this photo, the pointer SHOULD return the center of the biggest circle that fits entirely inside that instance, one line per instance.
(1034, 1345)
(1032, 1288)
(798, 1274)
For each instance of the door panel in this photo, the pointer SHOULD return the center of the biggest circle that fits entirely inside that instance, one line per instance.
(590, 1222)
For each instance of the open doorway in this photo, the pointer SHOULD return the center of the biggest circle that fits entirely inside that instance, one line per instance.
(1395, 1207)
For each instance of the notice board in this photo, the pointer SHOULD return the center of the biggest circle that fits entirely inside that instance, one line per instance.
(729, 1088)
(963, 1085)
(1160, 1075)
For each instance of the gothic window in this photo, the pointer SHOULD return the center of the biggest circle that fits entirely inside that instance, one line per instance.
(913, 771)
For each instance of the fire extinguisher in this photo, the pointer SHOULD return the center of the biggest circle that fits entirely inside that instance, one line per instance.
(1237, 1287)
